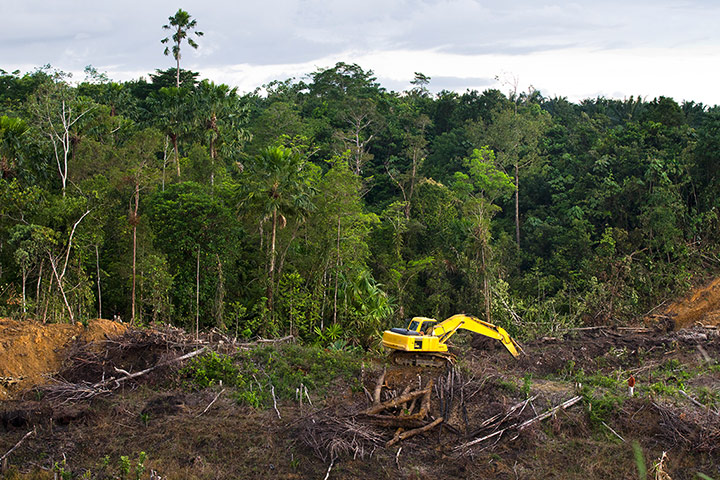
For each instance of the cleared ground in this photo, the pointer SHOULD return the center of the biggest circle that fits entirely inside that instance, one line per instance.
(492, 406)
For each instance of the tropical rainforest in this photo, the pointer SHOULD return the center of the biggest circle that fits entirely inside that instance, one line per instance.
(330, 208)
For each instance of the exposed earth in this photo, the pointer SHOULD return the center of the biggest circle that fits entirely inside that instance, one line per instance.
(72, 407)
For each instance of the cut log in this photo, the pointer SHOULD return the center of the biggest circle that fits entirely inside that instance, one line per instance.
(411, 433)
(378, 387)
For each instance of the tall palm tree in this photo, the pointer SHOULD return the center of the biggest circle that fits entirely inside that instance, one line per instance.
(281, 185)
(181, 24)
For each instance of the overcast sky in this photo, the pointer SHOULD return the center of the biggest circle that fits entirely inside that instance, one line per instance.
(578, 49)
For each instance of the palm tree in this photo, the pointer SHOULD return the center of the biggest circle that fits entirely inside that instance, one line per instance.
(221, 117)
(181, 24)
(281, 185)
(173, 108)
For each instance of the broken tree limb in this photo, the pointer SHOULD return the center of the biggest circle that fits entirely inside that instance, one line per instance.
(3, 459)
(378, 387)
(496, 418)
(411, 433)
(148, 370)
(552, 411)
(211, 403)
(272, 391)
(694, 401)
(613, 431)
(407, 421)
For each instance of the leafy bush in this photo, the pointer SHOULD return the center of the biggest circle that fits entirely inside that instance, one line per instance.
(212, 369)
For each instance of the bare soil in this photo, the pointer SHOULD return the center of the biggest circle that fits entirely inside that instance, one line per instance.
(700, 307)
(30, 352)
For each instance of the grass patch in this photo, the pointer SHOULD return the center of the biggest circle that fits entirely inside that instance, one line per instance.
(255, 374)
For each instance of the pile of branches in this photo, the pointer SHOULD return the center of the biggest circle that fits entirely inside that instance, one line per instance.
(509, 424)
(410, 410)
(395, 415)
(98, 368)
(688, 428)
(333, 433)
(359, 431)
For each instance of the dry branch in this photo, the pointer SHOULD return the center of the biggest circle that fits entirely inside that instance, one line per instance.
(148, 370)
(7, 454)
(518, 427)
(211, 403)
(378, 387)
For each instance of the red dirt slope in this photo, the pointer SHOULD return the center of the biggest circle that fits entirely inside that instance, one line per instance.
(699, 307)
(30, 350)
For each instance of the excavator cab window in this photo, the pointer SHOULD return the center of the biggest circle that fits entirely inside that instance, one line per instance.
(427, 327)
(414, 326)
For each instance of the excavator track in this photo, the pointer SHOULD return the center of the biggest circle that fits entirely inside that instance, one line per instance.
(413, 359)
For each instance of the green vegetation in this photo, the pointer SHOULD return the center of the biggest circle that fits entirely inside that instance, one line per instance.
(257, 375)
(331, 208)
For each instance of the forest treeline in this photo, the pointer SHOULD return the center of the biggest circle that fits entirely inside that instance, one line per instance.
(330, 208)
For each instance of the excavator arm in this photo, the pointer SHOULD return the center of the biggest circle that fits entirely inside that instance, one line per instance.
(447, 328)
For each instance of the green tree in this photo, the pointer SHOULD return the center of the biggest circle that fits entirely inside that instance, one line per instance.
(478, 190)
(516, 137)
(281, 182)
(221, 116)
(173, 112)
(12, 132)
(181, 24)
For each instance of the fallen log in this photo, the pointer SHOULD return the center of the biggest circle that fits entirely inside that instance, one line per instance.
(411, 433)
(117, 381)
(405, 421)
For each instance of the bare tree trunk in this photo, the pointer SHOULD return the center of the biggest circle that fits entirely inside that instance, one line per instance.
(220, 297)
(47, 299)
(37, 289)
(337, 273)
(97, 266)
(165, 155)
(486, 286)
(517, 203)
(24, 281)
(212, 161)
(134, 260)
(60, 287)
(271, 272)
(197, 296)
(174, 139)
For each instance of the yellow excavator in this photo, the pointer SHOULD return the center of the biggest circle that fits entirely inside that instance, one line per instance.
(424, 341)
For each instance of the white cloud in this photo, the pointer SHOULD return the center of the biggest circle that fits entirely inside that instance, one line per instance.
(574, 49)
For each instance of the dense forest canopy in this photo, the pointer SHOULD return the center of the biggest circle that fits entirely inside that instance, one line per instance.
(330, 208)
